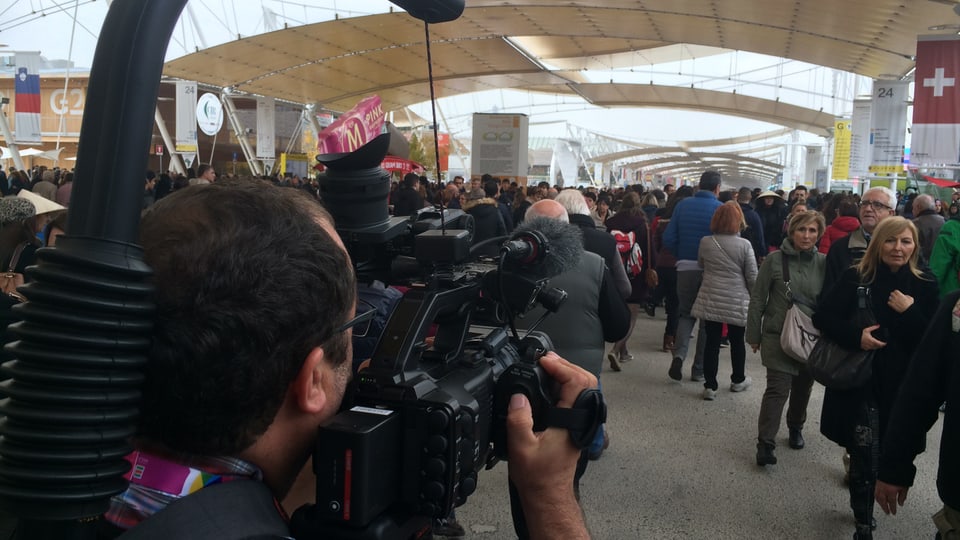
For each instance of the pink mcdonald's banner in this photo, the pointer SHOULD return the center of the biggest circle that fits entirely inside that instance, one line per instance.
(936, 102)
(27, 98)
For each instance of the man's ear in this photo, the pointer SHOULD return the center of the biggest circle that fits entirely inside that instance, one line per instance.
(308, 385)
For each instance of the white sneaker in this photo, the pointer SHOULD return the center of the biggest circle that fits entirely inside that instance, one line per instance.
(741, 386)
(709, 395)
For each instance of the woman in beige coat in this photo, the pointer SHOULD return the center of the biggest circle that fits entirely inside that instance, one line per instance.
(729, 271)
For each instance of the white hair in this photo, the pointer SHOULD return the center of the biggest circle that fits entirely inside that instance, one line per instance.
(573, 201)
(891, 196)
(925, 202)
(538, 209)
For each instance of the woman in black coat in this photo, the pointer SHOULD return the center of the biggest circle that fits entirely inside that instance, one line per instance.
(903, 299)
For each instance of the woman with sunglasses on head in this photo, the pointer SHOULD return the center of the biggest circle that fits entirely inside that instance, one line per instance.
(902, 299)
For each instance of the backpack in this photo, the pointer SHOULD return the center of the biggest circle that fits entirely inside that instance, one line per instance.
(629, 251)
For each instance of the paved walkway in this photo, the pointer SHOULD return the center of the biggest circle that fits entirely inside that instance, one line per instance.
(679, 467)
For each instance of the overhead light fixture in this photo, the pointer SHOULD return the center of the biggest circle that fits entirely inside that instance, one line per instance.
(939, 27)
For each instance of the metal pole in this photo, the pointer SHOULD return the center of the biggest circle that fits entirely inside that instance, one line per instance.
(8, 136)
(248, 153)
(175, 162)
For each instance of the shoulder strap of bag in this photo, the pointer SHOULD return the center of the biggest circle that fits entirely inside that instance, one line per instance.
(784, 259)
(229, 511)
(15, 258)
(714, 238)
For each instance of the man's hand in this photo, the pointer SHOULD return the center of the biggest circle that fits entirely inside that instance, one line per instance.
(754, 346)
(542, 465)
(889, 496)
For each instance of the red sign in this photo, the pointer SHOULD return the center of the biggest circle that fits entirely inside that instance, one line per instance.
(159, 150)
(400, 165)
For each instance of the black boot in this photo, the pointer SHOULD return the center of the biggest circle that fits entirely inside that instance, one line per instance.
(765, 454)
(864, 532)
(796, 438)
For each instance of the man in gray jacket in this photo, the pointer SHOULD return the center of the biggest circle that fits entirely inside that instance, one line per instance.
(928, 223)
(593, 313)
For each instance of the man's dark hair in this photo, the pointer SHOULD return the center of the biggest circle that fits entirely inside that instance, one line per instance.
(151, 175)
(744, 195)
(203, 169)
(710, 180)
(486, 177)
(491, 187)
(247, 284)
(410, 179)
(590, 195)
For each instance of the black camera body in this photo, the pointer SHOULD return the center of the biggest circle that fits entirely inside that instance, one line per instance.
(427, 414)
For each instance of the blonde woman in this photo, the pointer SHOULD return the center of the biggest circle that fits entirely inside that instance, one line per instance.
(903, 299)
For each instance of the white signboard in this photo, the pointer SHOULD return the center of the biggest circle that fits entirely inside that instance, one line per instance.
(500, 146)
(266, 129)
(209, 114)
(860, 139)
(888, 126)
(186, 140)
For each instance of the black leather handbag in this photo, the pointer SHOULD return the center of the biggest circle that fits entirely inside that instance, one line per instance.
(839, 368)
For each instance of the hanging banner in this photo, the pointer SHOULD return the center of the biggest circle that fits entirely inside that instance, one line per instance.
(567, 153)
(500, 146)
(443, 143)
(186, 138)
(27, 96)
(841, 149)
(860, 139)
(814, 155)
(888, 127)
(266, 129)
(936, 102)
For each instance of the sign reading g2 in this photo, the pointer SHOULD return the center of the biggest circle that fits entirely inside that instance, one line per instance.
(69, 102)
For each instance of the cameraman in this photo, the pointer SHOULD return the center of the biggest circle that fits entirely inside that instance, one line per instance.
(255, 305)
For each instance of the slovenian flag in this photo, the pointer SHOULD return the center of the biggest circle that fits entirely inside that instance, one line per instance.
(936, 102)
(27, 105)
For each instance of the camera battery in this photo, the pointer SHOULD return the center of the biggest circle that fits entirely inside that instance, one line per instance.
(357, 464)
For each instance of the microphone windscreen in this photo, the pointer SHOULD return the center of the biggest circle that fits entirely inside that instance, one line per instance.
(564, 249)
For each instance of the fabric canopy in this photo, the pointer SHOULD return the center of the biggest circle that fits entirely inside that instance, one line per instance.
(942, 182)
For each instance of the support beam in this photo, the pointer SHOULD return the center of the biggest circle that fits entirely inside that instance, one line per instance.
(176, 163)
(238, 130)
(8, 136)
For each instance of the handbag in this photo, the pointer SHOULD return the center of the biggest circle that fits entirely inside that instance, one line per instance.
(653, 279)
(798, 335)
(10, 280)
(839, 368)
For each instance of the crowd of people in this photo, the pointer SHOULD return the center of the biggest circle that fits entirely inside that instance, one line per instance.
(736, 260)
(733, 261)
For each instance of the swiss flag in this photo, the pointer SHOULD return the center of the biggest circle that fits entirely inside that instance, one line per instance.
(936, 102)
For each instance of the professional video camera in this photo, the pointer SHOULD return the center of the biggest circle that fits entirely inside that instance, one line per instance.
(429, 412)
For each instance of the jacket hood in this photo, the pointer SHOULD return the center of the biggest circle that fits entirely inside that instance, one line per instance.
(476, 202)
(846, 224)
(787, 247)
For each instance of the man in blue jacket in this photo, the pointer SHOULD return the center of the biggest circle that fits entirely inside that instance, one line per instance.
(690, 222)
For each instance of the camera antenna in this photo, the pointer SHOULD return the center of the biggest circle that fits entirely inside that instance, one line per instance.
(436, 136)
